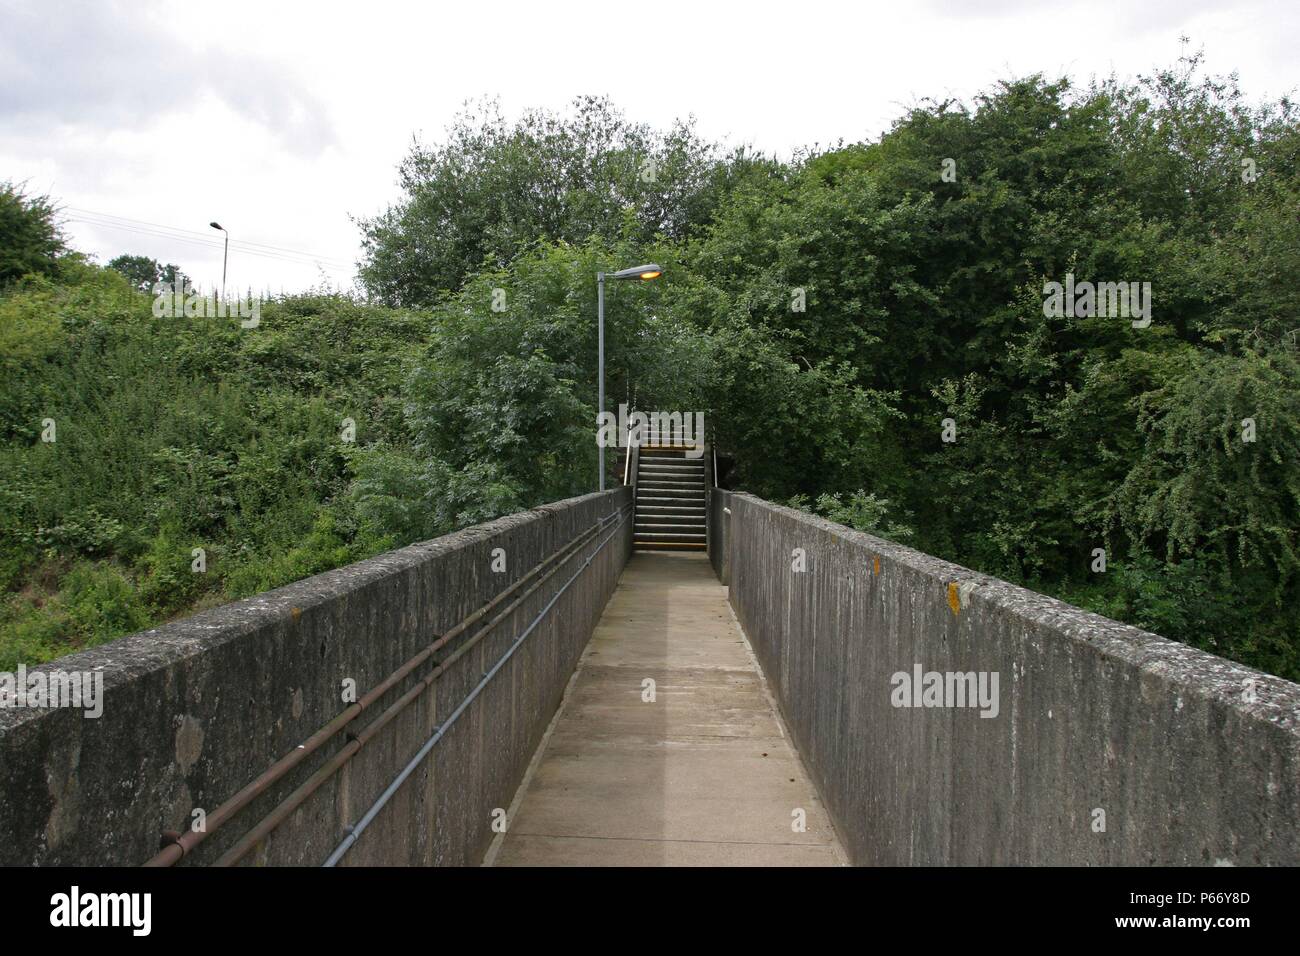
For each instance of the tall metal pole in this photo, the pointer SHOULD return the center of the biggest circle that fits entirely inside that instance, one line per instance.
(225, 254)
(600, 362)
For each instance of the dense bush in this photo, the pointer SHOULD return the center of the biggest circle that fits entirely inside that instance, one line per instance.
(30, 239)
(1173, 446)
(170, 435)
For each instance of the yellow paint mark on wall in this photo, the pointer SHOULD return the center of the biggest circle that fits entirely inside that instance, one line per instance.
(954, 599)
(876, 563)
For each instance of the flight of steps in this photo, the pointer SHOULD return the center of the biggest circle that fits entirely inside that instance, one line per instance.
(669, 500)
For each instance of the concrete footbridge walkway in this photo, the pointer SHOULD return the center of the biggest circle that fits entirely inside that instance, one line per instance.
(667, 749)
(666, 673)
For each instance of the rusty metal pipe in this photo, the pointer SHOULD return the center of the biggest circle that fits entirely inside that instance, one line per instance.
(295, 799)
(180, 846)
(355, 831)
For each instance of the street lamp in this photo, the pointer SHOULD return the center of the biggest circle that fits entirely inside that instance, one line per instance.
(224, 252)
(646, 272)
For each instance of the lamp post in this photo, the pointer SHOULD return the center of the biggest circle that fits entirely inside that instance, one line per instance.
(646, 272)
(224, 253)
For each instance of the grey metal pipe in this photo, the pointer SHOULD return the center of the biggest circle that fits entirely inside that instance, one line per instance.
(600, 363)
(355, 833)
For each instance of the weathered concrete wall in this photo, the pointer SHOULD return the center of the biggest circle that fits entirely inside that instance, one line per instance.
(196, 709)
(716, 533)
(1093, 715)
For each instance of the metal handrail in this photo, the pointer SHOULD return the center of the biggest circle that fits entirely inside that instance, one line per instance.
(353, 833)
(180, 845)
(631, 452)
(627, 457)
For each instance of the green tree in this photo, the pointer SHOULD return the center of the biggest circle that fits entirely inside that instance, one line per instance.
(492, 188)
(918, 263)
(30, 238)
(144, 272)
(500, 408)
(141, 271)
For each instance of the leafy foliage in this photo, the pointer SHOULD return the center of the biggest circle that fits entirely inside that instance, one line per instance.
(923, 296)
(493, 188)
(170, 435)
(30, 238)
(144, 272)
(500, 407)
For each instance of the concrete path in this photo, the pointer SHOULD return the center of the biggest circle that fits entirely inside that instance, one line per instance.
(703, 775)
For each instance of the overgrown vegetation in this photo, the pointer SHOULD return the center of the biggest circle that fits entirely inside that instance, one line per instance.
(30, 240)
(835, 316)
(175, 434)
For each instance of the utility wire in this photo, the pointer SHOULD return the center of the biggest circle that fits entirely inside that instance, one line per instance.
(202, 235)
(208, 245)
(159, 230)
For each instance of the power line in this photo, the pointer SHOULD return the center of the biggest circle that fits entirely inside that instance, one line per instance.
(176, 233)
(200, 240)
(328, 266)
(151, 232)
(241, 243)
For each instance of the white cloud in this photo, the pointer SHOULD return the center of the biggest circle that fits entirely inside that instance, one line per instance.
(282, 120)
(107, 65)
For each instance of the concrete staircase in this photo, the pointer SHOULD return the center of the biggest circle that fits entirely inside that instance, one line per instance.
(669, 500)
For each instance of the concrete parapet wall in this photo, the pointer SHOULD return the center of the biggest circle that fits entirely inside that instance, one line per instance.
(1110, 745)
(196, 709)
(716, 533)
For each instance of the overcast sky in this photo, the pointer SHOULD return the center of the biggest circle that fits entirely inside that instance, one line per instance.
(283, 120)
